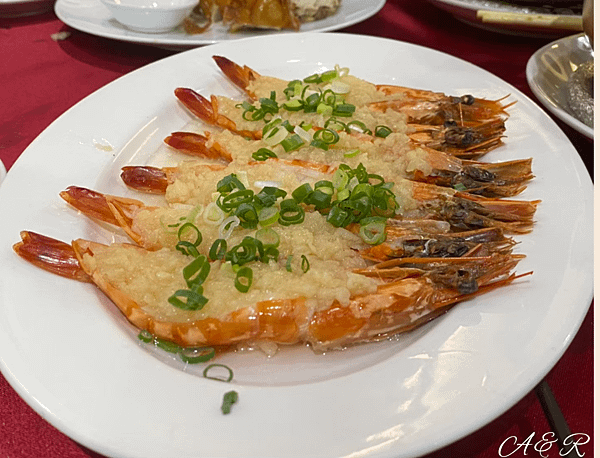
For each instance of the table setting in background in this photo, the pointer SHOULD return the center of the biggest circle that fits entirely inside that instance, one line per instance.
(85, 95)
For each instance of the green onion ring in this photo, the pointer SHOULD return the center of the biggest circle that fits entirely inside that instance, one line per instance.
(290, 213)
(218, 249)
(195, 355)
(305, 264)
(243, 279)
(194, 299)
(263, 154)
(210, 366)
(382, 131)
(268, 237)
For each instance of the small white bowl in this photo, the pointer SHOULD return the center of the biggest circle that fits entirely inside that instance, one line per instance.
(150, 16)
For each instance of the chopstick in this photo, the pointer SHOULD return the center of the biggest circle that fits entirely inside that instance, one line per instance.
(554, 416)
(551, 21)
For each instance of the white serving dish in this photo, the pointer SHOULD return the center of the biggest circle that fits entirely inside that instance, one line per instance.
(150, 16)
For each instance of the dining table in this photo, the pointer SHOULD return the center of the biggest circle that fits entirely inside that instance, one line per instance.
(46, 67)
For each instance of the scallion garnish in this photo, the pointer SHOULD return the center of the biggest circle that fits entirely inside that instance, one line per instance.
(292, 143)
(210, 367)
(382, 131)
(327, 135)
(268, 216)
(268, 237)
(195, 355)
(305, 264)
(373, 232)
(290, 212)
(194, 300)
(229, 398)
(218, 249)
(145, 336)
(243, 279)
(263, 154)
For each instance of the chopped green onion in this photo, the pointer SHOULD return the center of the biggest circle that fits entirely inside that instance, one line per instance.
(269, 195)
(268, 237)
(334, 124)
(229, 399)
(187, 248)
(320, 144)
(294, 105)
(301, 192)
(352, 153)
(145, 336)
(327, 135)
(166, 345)
(343, 194)
(271, 253)
(268, 216)
(373, 233)
(382, 131)
(228, 379)
(292, 143)
(195, 355)
(237, 198)
(248, 215)
(243, 279)
(358, 126)
(218, 249)
(338, 217)
(305, 264)
(324, 109)
(288, 264)
(319, 199)
(200, 267)
(195, 230)
(316, 78)
(290, 213)
(460, 187)
(194, 300)
(344, 110)
(328, 76)
(340, 179)
(229, 183)
(227, 226)
(263, 154)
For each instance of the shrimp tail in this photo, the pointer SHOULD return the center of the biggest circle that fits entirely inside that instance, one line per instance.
(238, 75)
(208, 111)
(193, 144)
(51, 255)
(152, 180)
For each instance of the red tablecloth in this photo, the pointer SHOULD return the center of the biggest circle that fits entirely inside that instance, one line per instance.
(41, 77)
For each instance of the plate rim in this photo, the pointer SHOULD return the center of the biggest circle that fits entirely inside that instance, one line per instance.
(177, 43)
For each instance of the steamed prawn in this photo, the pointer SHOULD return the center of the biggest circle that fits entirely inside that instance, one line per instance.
(140, 282)
(193, 183)
(467, 140)
(419, 106)
(388, 157)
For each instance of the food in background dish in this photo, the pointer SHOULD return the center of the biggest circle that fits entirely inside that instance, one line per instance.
(261, 14)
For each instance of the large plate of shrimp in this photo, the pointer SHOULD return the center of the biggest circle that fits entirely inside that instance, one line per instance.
(189, 268)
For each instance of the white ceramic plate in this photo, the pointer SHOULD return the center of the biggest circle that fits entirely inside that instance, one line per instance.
(77, 362)
(466, 10)
(92, 17)
(548, 72)
(18, 8)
